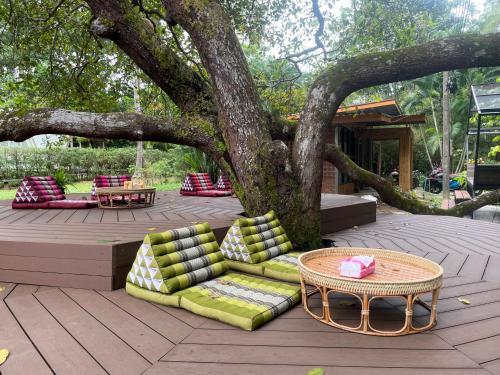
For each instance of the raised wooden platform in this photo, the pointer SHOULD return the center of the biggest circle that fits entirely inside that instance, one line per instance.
(66, 331)
(94, 248)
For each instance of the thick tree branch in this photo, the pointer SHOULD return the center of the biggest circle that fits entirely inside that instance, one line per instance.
(129, 29)
(337, 82)
(17, 126)
(384, 188)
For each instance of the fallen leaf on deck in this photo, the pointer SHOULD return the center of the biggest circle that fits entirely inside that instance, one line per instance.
(347, 303)
(152, 228)
(464, 301)
(395, 270)
(316, 371)
(4, 353)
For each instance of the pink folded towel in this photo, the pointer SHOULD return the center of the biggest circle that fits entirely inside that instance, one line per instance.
(357, 267)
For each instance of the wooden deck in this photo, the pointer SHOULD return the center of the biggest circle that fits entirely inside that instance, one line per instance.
(95, 248)
(66, 331)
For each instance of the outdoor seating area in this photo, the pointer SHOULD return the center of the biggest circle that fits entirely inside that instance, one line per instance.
(44, 192)
(200, 184)
(250, 187)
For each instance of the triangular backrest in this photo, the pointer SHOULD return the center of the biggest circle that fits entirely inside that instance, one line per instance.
(197, 182)
(108, 181)
(254, 240)
(223, 183)
(176, 259)
(35, 189)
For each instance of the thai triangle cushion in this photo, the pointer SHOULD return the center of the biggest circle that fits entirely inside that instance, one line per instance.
(174, 260)
(243, 301)
(108, 181)
(254, 240)
(223, 183)
(200, 184)
(35, 189)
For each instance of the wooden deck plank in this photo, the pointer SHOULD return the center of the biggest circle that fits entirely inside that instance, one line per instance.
(320, 356)
(474, 266)
(471, 332)
(144, 340)
(162, 368)
(484, 350)
(158, 320)
(63, 353)
(23, 355)
(110, 351)
(314, 339)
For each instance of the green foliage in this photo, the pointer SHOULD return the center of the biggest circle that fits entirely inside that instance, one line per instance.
(197, 161)
(62, 179)
(79, 164)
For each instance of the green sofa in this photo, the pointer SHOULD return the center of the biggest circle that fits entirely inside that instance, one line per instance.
(185, 268)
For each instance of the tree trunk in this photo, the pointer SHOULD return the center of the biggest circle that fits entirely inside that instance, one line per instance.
(446, 136)
(429, 158)
(139, 149)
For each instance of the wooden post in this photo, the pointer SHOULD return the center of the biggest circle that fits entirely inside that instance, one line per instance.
(405, 159)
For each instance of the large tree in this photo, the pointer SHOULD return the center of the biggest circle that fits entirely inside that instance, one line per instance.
(224, 117)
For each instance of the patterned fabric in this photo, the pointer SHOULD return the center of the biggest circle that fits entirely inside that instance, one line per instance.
(108, 181)
(201, 185)
(176, 259)
(254, 240)
(243, 301)
(283, 267)
(44, 192)
(223, 183)
(38, 189)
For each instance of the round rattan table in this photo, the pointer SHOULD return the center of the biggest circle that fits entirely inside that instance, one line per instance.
(396, 275)
(129, 198)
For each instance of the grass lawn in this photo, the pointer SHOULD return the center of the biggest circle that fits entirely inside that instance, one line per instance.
(86, 186)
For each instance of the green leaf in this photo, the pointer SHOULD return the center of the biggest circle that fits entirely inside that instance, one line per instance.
(316, 371)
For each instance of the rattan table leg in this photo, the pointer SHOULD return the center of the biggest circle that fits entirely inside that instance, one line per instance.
(365, 312)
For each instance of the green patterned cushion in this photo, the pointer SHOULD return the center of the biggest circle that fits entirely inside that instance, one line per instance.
(173, 260)
(283, 267)
(254, 240)
(242, 301)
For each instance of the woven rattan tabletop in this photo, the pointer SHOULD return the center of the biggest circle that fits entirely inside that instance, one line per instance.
(396, 273)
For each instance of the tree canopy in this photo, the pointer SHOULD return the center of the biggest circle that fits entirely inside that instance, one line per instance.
(219, 73)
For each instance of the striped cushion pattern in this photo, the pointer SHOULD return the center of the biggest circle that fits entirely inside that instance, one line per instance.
(243, 301)
(176, 259)
(35, 189)
(254, 240)
(108, 181)
(223, 183)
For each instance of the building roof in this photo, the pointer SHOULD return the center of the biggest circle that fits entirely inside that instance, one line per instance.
(384, 112)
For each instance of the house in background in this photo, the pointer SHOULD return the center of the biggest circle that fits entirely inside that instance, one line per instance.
(360, 130)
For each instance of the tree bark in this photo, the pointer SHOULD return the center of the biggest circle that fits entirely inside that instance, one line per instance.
(139, 164)
(392, 197)
(19, 126)
(446, 136)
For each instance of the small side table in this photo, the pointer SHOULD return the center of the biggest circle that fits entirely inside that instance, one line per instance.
(129, 198)
(397, 275)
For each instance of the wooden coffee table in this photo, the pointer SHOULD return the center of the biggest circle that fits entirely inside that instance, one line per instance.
(396, 275)
(130, 198)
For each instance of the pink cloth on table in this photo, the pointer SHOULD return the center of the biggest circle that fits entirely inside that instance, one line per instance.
(357, 266)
